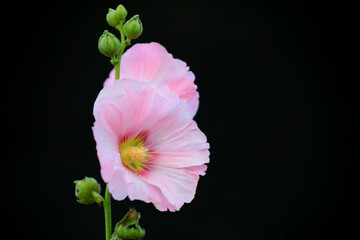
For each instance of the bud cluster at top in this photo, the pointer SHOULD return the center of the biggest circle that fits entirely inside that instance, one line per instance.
(109, 45)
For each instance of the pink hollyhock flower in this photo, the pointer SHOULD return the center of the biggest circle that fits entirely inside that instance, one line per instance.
(149, 147)
(150, 62)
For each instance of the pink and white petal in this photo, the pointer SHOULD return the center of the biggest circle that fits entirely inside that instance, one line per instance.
(106, 133)
(182, 146)
(141, 112)
(148, 112)
(117, 88)
(111, 78)
(162, 204)
(109, 123)
(181, 67)
(138, 189)
(182, 159)
(196, 170)
(124, 110)
(186, 90)
(107, 161)
(193, 104)
(119, 108)
(164, 91)
(148, 62)
(176, 184)
(190, 75)
(117, 186)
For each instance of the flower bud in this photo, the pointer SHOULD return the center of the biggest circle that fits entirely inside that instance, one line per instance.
(128, 227)
(109, 45)
(133, 27)
(121, 13)
(87, 191)
(112, 18)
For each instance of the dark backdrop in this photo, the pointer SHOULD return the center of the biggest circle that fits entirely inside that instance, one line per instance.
(277, 104)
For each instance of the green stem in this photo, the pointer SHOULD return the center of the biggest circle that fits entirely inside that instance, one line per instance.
(117, 70)
(123, 44)
(117, 66)
(107, 212)
(121, 29)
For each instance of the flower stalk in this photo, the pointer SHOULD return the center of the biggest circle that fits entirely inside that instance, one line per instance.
(107, 213)
(123, 44)
(115, 60)
(116, 19)
(88, 190)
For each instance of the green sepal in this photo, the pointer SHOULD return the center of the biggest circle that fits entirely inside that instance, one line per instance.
(128, 228)
(97, 198)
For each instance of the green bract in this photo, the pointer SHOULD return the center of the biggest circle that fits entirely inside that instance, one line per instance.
(129, 228)
(130, 233)
(133, 27)
(86, 189)
(109, 45)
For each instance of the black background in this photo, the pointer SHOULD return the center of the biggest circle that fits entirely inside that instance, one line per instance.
(277, 104)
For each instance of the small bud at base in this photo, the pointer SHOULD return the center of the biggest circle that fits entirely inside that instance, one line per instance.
(85, 188)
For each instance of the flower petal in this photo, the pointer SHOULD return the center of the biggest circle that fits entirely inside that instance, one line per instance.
(111, 78)
(138, 189)
(185, 89)
(180, 145)
(148, 62)
(151, 63)
(196, 170)
(117, 186)
(177, 185)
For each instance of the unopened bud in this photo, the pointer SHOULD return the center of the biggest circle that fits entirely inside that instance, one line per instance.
(121, 13)
(109, 45)
(133, 27)
(112, 18)
(86, 189)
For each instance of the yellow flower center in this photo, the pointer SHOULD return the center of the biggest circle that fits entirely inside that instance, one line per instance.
(133, 154)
